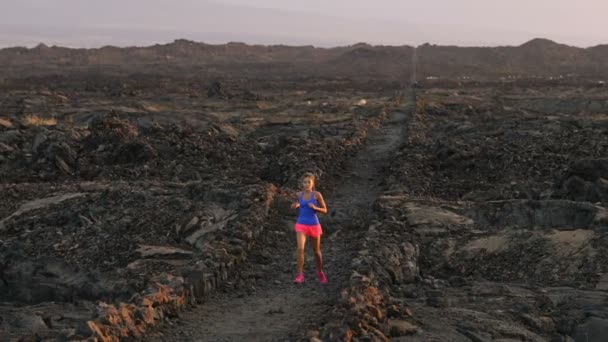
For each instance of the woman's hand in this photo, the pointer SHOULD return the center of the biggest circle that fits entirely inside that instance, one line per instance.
(295, 205)
(319, 209)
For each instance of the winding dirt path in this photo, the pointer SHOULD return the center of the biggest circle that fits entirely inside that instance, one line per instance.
(264, 304)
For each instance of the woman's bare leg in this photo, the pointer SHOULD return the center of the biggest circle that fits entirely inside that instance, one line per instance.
(316, 243)
(300, 251)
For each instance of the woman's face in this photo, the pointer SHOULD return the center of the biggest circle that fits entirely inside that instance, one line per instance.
(307, 183)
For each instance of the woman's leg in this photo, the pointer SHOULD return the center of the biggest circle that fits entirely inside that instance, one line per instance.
(301, 237)
(316, 241)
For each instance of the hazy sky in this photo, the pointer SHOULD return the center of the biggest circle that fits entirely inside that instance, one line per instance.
(317, 22)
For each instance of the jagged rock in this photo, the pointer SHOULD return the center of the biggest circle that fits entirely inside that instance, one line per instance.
(162, 251)
(400, 328)
(216, 91)
(594, 330)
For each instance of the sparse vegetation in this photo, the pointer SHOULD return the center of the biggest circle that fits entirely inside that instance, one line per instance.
(35, 120)
(5, 122)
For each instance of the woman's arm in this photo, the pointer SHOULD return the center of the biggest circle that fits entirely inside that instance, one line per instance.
(296, 204)
(323, 208)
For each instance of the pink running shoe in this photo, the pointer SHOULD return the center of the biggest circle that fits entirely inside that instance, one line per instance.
(299, 278)
(322, 277)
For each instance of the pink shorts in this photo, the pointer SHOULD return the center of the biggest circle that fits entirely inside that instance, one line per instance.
(309, 230)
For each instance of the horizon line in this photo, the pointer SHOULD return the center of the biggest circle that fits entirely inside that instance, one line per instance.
(148, 45)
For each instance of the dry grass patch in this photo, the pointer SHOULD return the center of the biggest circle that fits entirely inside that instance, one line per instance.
(35, 120)
(4, 122)
(263, 105)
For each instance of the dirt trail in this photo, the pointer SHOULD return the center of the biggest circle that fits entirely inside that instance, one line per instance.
(264, 304)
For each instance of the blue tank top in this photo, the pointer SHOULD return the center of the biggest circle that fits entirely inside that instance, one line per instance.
(308, 215)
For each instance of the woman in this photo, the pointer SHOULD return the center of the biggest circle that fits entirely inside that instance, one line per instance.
(309, 202)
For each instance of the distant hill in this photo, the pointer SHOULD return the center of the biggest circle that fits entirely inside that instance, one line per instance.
(539, 57)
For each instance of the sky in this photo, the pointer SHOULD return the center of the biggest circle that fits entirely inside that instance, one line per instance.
(85, 23)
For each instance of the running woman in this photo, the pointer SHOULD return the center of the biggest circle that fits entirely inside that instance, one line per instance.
(309, 202)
